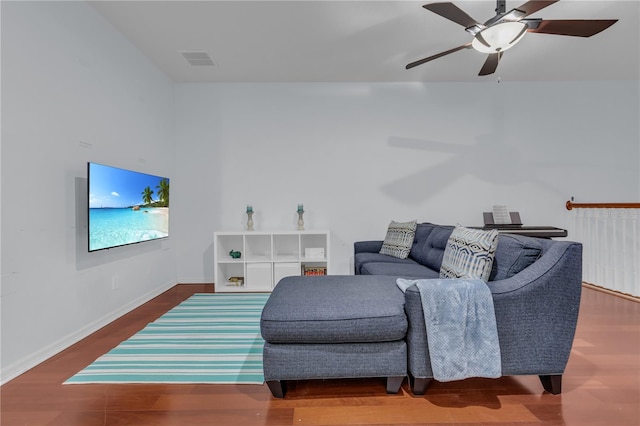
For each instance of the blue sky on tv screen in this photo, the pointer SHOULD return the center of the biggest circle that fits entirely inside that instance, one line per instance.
(114, 187)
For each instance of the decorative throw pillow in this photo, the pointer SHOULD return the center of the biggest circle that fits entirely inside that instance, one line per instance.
(469, 254)
(399, 239)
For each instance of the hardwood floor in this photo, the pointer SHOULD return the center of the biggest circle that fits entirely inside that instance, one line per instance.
(601, 386)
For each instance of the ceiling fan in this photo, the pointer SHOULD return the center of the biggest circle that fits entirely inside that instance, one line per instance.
(506, 29)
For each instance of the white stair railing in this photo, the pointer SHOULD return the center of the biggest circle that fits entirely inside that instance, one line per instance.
(610, 236)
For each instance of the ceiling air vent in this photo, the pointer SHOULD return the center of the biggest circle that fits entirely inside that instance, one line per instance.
(198, 58)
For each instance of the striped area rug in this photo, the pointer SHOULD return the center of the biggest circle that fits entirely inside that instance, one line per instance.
(208, 338)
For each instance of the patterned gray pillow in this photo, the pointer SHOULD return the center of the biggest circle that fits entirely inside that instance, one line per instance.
(399, 239)
(469, 254)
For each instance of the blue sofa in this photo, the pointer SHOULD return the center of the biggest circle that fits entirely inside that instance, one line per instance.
(535, 284)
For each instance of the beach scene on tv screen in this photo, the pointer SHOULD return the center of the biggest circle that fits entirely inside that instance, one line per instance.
(126, 207)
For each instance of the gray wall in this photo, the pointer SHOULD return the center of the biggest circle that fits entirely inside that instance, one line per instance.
(361, 154)
(73, 91)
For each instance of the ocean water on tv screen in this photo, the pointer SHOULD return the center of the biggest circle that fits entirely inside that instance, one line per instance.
(109, 227)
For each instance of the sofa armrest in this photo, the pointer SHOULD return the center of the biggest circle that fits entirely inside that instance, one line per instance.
(536, 314)
(537, 311)
(367, 246)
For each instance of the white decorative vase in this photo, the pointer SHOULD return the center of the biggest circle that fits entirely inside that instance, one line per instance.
(250, 221)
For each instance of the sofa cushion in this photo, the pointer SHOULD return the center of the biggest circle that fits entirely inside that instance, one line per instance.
(469, 254)
(423, 230)
(405, 270)
(361, 259)
(399, 239)
(334, 309)
(514, 254)
(429, 252)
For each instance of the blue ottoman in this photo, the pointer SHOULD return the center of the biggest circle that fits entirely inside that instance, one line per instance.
(334, 326)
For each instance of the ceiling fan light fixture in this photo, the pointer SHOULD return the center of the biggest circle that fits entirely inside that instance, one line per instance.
(499, 37)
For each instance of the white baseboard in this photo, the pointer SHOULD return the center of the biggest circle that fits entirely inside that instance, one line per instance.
(197, 280)
(17, 368)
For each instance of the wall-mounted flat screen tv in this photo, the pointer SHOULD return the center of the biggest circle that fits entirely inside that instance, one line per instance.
(126, 207)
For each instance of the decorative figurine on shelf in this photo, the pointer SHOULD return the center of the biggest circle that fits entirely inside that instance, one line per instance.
(249, 217)
(235, 254)
(300, 220)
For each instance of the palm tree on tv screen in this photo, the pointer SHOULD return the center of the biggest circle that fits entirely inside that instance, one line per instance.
(146, 195)
(163, 191)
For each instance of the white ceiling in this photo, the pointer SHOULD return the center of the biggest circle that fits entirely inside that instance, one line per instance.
(368, 41)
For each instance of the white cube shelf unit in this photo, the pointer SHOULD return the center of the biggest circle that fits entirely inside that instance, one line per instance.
(267, 257)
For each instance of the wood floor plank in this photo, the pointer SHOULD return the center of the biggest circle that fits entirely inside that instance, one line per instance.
(28, 417)
(414, 414)
(601, 385)
(231, 401)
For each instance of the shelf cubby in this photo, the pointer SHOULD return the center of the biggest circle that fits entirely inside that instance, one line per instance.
(266, 258)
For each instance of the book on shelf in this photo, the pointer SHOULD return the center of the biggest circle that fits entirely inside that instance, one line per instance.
(314, 270)
(235, 282)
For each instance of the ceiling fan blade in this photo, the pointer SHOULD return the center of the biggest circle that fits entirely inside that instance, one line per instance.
(535, 5)
(573, 27)
(439, 55)
(491, 64)
(452, 13)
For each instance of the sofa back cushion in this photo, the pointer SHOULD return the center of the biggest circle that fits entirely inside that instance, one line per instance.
(423, 230)
(514, 253)
(429, 245)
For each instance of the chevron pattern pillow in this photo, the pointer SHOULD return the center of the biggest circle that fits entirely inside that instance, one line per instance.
(469, 254)
(399, 239)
